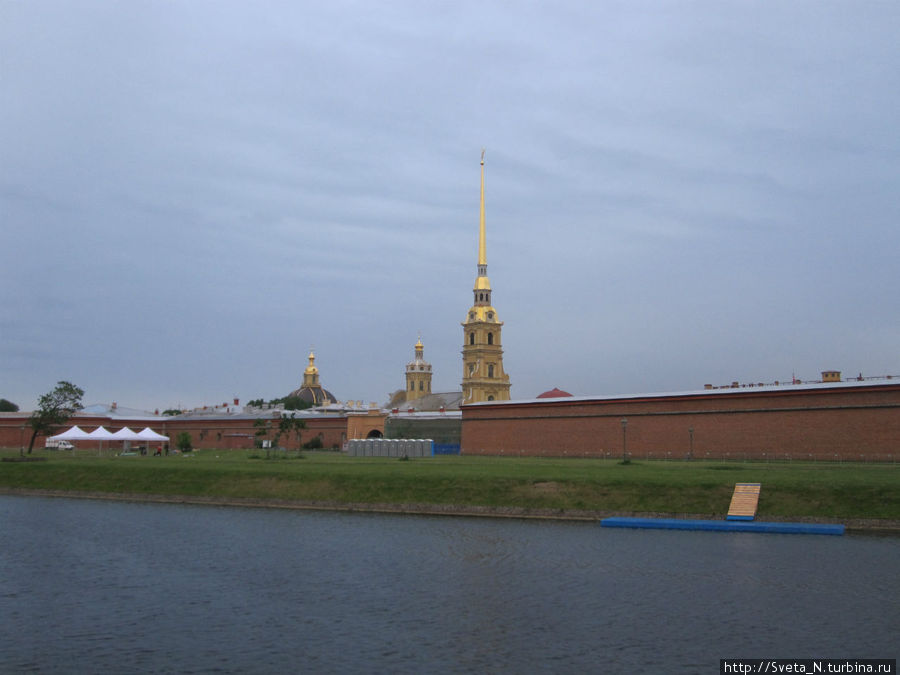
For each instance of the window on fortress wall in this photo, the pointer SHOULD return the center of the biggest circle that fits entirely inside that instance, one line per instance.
(490, 371)
(490, 338)
(471, 338)
(421, 386)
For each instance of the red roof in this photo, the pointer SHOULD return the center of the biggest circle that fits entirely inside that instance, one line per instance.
(554, 393)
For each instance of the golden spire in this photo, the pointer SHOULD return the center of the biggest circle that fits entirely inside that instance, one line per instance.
(482, 255)
(482, 283)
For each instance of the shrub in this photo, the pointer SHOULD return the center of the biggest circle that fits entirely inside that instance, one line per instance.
(183, 442)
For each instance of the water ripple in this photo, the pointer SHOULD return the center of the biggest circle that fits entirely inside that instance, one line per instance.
(94, 586)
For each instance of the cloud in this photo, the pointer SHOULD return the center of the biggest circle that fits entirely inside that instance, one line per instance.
(676, 194)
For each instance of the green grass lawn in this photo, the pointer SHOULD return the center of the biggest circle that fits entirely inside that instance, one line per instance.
(788, 489)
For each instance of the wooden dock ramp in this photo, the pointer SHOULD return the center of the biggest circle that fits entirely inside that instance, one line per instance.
(744, 501)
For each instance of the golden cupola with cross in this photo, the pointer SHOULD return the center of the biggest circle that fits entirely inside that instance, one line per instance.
(311, 391)
(483, 375)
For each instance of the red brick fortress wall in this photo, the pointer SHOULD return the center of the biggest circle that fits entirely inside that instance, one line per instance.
(213, 432)
(842, 423)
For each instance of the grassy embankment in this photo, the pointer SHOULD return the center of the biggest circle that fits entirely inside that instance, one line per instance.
(832, 491)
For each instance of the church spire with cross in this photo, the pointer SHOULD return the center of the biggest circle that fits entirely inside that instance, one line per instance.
(483, 375)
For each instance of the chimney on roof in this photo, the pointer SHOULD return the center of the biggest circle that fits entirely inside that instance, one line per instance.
(114, 405)
(237, 401)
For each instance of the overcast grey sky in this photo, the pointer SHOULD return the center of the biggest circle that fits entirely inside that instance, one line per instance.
(193, 193)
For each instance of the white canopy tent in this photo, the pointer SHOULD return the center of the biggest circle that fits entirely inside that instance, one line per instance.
(126, 434)
(74, 434)
(101, 434)
(147, 434)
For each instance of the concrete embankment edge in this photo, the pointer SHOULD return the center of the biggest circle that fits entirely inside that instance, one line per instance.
(852, 525)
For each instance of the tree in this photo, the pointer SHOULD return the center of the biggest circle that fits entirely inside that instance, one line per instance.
(295, 403)
(183, 441)
(299, 426)
(262, 430)
(54, 409)
(291, 424)
(8, 406)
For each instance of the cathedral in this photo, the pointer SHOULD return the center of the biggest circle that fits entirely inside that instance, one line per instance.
(482, 353)
(483, 377)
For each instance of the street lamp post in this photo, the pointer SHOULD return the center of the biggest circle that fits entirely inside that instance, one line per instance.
(624, 423)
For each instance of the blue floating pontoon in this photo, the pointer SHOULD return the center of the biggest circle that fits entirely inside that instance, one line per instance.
(722, 525)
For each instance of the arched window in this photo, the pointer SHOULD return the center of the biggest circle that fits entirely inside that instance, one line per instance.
(490, 371)
(490, 398)
(471, 338)
(490, 338)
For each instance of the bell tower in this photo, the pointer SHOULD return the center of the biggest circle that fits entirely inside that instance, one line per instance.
(418, 374)
(483, 376)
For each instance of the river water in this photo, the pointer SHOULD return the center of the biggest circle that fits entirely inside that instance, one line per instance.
(92, 586)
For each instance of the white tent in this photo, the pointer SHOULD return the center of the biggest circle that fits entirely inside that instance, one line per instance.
(101, 434)
(126, 434)
(73, 434)
(147, 434)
